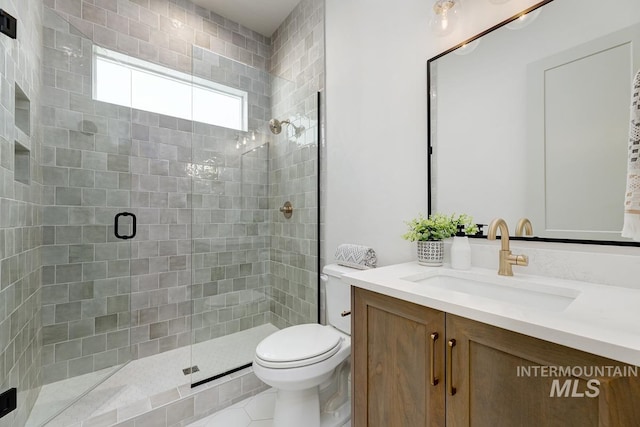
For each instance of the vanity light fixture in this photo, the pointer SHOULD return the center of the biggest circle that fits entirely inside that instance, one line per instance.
(524, 20)
(446, 14)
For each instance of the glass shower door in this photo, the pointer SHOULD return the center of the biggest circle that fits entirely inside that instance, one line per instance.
(86, 183)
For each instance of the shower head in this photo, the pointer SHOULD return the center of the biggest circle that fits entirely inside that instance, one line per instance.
(275, 126)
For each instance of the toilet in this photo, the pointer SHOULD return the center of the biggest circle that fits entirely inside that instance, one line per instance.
(299, 359)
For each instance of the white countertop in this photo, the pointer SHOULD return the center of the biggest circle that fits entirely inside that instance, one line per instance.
(603, 320)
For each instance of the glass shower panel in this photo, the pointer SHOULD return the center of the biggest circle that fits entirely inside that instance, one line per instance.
(86, 269)
(253, 270)
(230, 234)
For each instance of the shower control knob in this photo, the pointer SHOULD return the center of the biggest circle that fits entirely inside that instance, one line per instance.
(287, 210)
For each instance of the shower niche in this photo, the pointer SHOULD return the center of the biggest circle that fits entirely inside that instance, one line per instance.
(22, 154)
(22, 111)
(22, 164)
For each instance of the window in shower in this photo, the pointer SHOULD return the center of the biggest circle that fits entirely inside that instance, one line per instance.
(123, 80)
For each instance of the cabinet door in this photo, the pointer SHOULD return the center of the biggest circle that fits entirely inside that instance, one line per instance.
(393, 356)
(493, 387)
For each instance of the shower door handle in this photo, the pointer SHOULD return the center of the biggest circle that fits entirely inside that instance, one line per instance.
(133, 224)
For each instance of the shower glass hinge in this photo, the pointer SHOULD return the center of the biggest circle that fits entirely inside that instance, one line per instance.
(191, 370)
(8, 24)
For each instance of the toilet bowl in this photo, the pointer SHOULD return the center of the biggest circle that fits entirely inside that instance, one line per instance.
(298, 359)
(317, 352)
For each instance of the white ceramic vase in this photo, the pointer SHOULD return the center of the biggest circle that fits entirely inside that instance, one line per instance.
(431, 253)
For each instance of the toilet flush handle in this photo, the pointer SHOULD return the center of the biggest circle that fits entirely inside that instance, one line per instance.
(325, 278)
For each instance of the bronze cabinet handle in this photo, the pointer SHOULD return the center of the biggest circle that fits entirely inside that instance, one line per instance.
(432, 349)
(449, 379)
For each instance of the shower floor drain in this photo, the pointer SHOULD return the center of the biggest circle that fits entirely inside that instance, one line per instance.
(191, 370)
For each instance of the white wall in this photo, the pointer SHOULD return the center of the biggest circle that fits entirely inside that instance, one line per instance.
(376, 54)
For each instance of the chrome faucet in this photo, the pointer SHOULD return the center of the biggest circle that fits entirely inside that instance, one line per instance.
(524, 227)
(507, 259)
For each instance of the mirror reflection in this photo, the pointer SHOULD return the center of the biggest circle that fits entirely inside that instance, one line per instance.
(532, 120)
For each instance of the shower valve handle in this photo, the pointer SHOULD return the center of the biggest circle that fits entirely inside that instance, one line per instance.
(287, 210)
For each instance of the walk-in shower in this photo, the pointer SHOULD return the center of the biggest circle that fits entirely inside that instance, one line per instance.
(165, 257)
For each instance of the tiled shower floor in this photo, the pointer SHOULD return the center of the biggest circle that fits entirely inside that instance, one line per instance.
(133, 389)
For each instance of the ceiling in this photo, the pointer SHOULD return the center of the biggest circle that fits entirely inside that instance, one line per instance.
(262, 16)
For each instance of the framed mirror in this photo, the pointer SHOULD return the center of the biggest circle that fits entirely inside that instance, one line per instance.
(531, 119)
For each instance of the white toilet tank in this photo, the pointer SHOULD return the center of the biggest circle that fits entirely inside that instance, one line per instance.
(338, 297)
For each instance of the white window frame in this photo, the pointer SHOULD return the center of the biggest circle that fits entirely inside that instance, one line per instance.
(169, 74)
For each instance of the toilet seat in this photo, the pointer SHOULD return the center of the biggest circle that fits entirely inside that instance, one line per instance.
(298, 346)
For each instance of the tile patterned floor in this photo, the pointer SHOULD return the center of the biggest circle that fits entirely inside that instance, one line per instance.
(134, 387)
(256, 411)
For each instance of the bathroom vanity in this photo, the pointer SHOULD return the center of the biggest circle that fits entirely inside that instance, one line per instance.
(435, 347)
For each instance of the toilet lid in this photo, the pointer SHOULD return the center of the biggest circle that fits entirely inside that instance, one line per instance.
(298, 346)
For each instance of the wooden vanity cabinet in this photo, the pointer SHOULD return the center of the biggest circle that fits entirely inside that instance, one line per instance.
(490, 390)
(391, 360)
(483, 385)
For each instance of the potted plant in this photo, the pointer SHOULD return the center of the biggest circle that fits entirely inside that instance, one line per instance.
(430, 233)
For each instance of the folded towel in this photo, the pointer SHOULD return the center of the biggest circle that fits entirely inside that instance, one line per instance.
(356, 256)
(631, 227)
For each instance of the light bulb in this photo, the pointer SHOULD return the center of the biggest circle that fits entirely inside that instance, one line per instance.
(253, 135)
(446, 14)
(523, 20)
(244, 140)
(467, 48)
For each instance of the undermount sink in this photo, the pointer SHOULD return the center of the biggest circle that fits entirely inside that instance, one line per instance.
(505, 289)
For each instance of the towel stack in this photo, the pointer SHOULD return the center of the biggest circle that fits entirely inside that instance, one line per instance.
(356, 256)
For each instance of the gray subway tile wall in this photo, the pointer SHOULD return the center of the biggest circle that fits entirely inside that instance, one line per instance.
(298, 56)
(164, 31)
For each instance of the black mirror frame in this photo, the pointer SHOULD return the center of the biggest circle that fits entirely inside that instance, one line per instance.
(430, 145)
